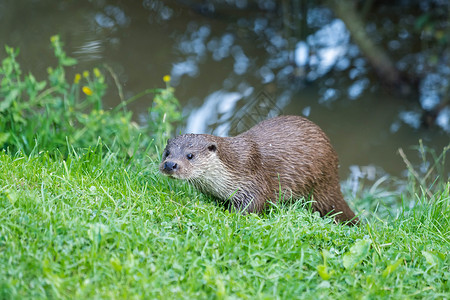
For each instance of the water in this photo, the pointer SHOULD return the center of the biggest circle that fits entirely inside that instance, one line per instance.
(222, 59)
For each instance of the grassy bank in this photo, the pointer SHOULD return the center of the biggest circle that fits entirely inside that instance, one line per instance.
(87, 218)
(89, 226)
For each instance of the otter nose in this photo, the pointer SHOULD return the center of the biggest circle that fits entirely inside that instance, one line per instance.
(170, 166)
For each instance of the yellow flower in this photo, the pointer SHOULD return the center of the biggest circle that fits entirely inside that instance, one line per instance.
(97, 72)
(166, 78)
(86, 74)
(87, 90)
(77, 78)
(54, 38)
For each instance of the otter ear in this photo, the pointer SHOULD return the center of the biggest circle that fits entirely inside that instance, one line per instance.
(212, 147)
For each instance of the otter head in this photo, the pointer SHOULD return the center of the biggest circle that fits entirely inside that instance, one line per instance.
(188, 156)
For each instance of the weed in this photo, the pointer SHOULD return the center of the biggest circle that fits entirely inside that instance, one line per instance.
(55, 113)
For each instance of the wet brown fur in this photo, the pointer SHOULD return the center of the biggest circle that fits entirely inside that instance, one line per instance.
(289, 152)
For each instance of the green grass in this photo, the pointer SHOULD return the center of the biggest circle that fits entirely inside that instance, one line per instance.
(103, 223)
(94, 226)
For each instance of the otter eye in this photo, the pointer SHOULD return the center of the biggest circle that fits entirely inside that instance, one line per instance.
(190, 156)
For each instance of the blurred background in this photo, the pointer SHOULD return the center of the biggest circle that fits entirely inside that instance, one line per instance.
(373, 74)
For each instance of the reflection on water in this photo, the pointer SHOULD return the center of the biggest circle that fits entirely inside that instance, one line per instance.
(90, 50)
(330, 45)
(111, 17)
(228, 60)
(217, 108)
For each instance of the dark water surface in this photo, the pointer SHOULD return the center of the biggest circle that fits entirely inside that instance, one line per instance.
(221, 60)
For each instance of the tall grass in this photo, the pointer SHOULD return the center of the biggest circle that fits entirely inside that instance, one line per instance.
(58, 113)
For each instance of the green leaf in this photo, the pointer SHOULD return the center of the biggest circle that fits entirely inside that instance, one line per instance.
(97, 231)
(68, 61)
(431, 258)
(11, 51)
(41, 85)
(116, 264)
(392, 267)
(421, 21)
(6, 103)
(12, 196)
(4, 136)
(356, 254)
(323, 272)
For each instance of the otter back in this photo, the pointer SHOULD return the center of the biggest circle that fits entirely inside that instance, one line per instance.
(280, 159)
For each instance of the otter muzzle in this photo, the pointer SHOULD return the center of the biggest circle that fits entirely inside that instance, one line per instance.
(170, 167)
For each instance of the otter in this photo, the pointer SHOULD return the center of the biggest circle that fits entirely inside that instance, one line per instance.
(280, 159)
